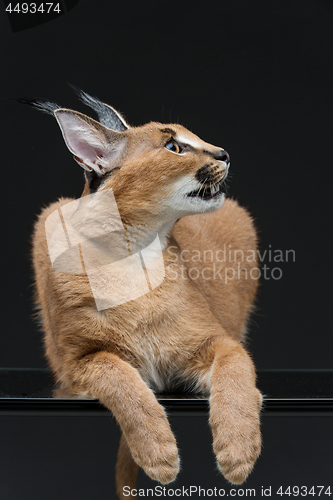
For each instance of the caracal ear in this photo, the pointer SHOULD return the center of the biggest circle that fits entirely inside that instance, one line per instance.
(107, 115)
(94, 146)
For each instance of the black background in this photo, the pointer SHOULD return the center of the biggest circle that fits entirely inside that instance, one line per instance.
(254, 77)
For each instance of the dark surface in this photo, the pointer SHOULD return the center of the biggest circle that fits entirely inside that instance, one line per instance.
(72, 458)
(31, 391)
(67, 448)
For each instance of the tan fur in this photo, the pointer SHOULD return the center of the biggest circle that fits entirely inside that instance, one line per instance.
(184, 331)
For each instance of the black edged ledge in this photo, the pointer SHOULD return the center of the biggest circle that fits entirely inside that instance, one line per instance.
(286, 393)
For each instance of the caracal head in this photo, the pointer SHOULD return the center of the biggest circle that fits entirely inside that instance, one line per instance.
(156, 171)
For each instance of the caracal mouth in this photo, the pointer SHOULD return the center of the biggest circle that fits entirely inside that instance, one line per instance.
(209, 191)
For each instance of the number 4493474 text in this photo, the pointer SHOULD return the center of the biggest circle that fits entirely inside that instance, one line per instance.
(304, 491)
(33, 8)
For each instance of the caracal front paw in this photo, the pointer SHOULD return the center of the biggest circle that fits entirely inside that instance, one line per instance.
(237, 440)
(157, 454)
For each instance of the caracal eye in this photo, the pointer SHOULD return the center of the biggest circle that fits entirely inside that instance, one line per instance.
(172, 146)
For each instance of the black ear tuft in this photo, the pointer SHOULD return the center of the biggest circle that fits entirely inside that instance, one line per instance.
(45, 106)
(107, 116)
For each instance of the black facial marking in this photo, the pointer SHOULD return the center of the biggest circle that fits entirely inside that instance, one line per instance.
(205, 174)
(168, 131)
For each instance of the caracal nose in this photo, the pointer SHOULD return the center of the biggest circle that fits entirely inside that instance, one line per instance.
(222, 155)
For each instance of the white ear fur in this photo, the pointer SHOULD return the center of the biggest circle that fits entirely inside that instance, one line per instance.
(94, 146)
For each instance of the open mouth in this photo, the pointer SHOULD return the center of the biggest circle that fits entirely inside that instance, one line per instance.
(208, 192)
